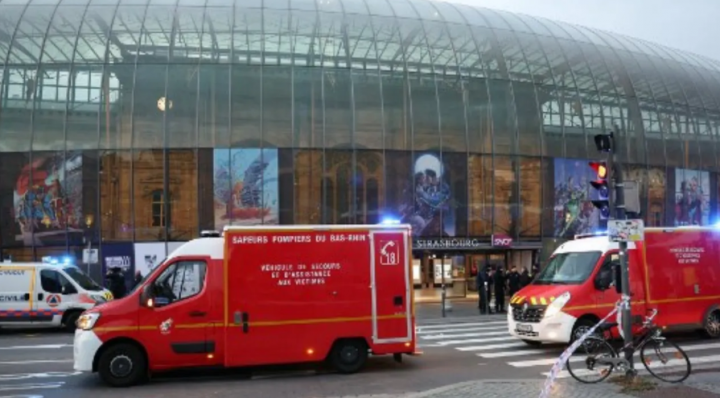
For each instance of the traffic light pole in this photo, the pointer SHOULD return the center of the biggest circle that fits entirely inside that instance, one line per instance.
(619, 202)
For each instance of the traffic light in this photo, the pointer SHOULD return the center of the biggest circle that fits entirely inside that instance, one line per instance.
(604, 142)
(603, 189)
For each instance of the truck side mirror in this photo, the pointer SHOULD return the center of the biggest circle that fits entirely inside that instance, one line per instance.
(146, 296)
(604, 279)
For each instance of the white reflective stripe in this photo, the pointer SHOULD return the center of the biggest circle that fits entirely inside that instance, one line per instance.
(460, 330)
(455, 336)
(490, 347)
(503, 354)
(36, 347)
(445, 325)
(473, 341)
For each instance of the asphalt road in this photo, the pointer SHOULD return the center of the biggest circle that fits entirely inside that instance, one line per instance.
(39, 363)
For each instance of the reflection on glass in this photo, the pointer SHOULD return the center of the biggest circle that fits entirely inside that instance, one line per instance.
(568, 268)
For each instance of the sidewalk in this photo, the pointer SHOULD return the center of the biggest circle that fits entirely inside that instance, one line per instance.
(703, 385)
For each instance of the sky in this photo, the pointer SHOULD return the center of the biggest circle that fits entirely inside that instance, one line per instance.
(690, 25)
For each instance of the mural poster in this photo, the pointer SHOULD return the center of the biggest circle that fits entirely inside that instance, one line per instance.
(692, 197)
(47, 198)
(574, 212)
(428, 204)
(245, 186)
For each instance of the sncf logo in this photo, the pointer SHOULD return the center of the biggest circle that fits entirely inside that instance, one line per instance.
(501, 240)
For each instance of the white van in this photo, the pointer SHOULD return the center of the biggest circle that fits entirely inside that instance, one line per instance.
(46, 294)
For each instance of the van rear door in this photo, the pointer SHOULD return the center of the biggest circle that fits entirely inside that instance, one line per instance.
(391, 295)
(16, 294)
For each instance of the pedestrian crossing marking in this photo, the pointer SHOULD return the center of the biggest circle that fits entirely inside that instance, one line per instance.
(504, 354)
(492, 340)
(578, 358)
(490, 346)
(455, 336)
(462, 330)
(468, 324)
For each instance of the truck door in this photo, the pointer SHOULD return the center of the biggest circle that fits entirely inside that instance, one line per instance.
(52, 293)
(174, 327)
(390, 279)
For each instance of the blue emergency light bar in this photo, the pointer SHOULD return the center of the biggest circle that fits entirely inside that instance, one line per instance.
(66, 260)
(590, 235)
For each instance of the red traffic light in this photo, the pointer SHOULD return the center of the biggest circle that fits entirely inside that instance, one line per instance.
(600, 169)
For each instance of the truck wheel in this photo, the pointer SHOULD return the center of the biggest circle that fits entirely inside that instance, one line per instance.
(122, 365)
(70, 320)
(349, 356)
(581, 327)
(712, 324)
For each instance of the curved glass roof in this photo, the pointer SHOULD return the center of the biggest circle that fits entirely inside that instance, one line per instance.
(418, 36)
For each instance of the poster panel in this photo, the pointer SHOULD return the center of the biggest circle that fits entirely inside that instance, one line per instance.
(118, 255)
(149, 255)
(47, 198)
(245, 185)
(428, 204)
(692, 197)
(574, 212)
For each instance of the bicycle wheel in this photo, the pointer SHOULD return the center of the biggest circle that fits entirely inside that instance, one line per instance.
(673, 365)
(584, 362)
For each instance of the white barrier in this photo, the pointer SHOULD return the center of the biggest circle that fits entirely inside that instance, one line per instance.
(560, 363)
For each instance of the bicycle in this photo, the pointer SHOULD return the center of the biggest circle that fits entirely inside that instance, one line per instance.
(650, 338)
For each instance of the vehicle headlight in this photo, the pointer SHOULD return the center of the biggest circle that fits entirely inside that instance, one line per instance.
(557, 305)
(87, 321)
(98, 298)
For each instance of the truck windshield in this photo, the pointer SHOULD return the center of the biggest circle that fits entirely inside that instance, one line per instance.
(81, 279)
(568, 268)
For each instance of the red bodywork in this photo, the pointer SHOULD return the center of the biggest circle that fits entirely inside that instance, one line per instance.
(277, 296)
(674, 270)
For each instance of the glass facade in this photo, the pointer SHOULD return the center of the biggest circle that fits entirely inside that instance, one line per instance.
(139, 121)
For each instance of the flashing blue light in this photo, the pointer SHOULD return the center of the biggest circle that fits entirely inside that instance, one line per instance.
(717, 224)
(390, 221)
(66, 260)
(600, 233)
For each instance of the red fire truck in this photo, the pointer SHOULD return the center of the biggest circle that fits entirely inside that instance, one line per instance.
(260, 296)
(674, 270)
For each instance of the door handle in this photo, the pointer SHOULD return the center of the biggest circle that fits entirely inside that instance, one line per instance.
(242, 318)
(26, 297)
(245, 319)
(197, 314)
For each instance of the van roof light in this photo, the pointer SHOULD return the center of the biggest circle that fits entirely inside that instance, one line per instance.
(590, 235)
(210, 234)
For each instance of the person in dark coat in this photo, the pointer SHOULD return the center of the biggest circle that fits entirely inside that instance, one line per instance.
(513, 278)
(525, 278)
(481, 281)
(138, 278)
(116, 283)
(499, 282)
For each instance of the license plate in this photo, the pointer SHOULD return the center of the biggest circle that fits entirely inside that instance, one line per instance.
(524, 328)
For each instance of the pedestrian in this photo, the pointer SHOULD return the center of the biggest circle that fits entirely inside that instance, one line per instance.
(481, 282)
(116, 282)
(513, 278)
(138, 278)
(499, 282)
(525, 277)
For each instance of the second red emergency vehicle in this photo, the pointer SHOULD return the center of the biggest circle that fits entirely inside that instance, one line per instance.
(674, 270)
(260, 296)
